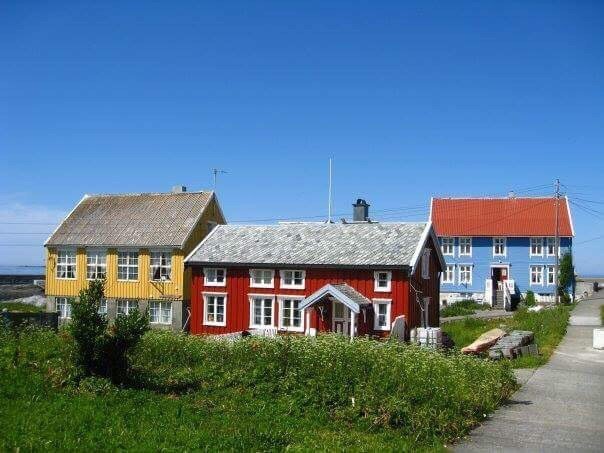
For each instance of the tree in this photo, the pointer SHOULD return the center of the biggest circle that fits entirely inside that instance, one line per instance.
(102, 350)
(566, 272)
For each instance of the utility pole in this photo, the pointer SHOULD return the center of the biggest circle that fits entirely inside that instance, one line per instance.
(329, 200)
(557, 241)
(216, 172)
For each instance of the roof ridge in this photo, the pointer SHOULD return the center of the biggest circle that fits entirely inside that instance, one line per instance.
(137, 194)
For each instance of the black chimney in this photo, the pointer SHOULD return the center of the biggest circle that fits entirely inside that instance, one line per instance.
(360, 212)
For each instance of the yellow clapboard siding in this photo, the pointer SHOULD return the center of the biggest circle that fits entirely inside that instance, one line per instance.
(143, 288)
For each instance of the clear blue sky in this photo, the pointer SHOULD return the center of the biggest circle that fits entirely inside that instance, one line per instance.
(410, 99)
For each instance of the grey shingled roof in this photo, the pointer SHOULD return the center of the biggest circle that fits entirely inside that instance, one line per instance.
(357, 244)
(138, 220)
(352, 294)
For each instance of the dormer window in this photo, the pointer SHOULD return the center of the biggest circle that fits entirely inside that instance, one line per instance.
(382, 281)
(214, 276)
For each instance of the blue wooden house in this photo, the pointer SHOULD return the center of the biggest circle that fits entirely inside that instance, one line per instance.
(496, 249)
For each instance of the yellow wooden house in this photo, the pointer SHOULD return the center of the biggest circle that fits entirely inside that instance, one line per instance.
(137, 243)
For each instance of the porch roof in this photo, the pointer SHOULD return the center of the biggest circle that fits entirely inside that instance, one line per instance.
(342, 292)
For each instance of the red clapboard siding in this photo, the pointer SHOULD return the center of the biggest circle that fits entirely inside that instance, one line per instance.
(238, 288)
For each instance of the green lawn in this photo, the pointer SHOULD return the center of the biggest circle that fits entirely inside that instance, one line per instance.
(462, 308)
(549, 327)
(254, 395)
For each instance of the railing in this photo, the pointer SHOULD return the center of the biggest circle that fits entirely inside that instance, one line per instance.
(507, 297)
(488, 291)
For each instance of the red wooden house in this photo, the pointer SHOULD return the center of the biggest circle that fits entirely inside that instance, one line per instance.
(354, 278)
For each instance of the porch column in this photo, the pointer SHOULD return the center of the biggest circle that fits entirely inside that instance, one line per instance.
(353, 317)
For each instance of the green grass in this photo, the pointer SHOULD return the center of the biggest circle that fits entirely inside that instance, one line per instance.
(462, 308)
(18, 306)
(258, 394)
(549, 327)
(602, 314)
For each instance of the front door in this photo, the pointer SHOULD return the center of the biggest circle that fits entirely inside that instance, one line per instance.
(341, 318)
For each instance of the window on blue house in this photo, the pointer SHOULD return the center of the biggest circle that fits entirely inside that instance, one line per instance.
(536, 246)
(465, 274)
(536, 275)
(551, 275)
(465, 246)
(447, 246)
(499, 247)
(448, 275)
(551, 246)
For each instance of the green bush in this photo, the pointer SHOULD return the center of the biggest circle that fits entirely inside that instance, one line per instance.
(529, 299)
(462, 308)
(420, 391)
(99, 350)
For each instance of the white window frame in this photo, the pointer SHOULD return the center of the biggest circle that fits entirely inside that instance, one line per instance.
(96, 264)
(376, 282)
(205, 321)
(503, 245)
(263, 297)
(281, 300)
(155, 262)
(63, 306)
(130, 304)
(467, 239)
(540, 273)
(282, 275)
(538, 242)
(159, 310)
(551, 240)
(265, 273)
(129, 266)
(551, 271)
(103, 307)
(445, 273)
(214, 280)
(448, 246)
(376, 304)
(67, 260)
(461, 269)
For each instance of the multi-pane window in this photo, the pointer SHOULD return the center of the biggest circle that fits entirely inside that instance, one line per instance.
(125, 307)
(290, 314)
(103, 307)
(96, 265)
(465, 246)
(448, 246)
(214, 310)
(214, 276)
(382, 281)
(292, 279)
(261, 311)
(261, 278)
(381, 319)
(64, 307)
(127, 265)
(66, 264)
(448, 275)
(465, 274)
(551, 275)
(551, 246)
(161, 266)
(499, 247)
(426, 264)
(536, 246)
(160, 312)
(536, 275)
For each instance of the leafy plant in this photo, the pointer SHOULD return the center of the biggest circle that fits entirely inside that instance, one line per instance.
(100, 350)
(463, 308)
(529, 299)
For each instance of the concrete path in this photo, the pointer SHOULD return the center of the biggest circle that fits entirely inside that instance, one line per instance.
(561, 406)
(481, 314)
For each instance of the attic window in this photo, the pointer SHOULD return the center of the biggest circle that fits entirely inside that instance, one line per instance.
(382, 281)
(214, 276)
(293, 279)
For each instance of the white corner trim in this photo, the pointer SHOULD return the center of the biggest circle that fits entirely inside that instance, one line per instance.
(570, 217)
(202, 242)
(428, 232)
(65, 218)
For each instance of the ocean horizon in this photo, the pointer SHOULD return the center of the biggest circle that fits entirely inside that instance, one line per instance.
(22, 270)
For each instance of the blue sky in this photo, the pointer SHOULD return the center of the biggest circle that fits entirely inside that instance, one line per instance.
(410, 99)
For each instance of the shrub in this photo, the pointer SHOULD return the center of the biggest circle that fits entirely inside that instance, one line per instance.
(463, 308)
(529, 299)
(99, 350)
(420, 391)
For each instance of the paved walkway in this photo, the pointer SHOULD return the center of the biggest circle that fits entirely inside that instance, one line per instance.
(560, 408)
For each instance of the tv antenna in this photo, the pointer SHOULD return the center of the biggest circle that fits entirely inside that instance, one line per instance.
(216, 172)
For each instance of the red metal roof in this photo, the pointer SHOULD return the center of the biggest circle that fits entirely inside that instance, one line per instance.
(500, 217)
